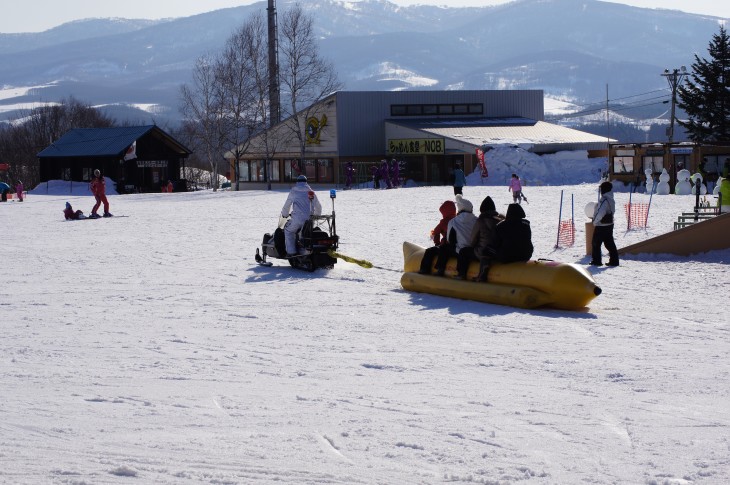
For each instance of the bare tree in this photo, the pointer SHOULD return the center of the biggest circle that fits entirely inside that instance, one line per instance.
(306, 78)
(202, 110)
(37, 128)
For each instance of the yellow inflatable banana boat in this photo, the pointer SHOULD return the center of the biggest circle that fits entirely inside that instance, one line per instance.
(524, 285)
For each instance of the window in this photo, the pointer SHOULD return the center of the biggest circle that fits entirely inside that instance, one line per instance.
(623, 165)
(436, 109)
(66, 173)
(655, 163)
(86, 173)
(325, 173)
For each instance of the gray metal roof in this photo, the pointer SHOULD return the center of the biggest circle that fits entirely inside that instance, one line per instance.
(535, 135)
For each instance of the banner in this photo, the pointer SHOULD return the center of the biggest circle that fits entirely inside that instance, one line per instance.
(482, 162)
(417, 146)
(131, 152)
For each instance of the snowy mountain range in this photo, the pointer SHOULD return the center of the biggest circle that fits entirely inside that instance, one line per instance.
(575, 50)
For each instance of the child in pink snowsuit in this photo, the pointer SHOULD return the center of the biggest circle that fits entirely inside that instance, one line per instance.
(19, 190)
(515, 186)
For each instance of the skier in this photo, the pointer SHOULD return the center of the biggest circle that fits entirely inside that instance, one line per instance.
(298, 207)
(98, 188)
(515, 185)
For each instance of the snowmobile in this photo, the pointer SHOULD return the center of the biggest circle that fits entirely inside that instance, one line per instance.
(317, 237)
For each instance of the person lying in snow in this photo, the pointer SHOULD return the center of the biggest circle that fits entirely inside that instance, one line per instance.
(72, 215)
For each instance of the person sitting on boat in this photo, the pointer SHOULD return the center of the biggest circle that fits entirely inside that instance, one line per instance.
(483, 238)
(438, 236)
(298, 207)
(458, 229)
(514, 236)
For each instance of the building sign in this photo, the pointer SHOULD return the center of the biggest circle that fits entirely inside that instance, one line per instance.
(314, 129)
(655, 152)
(151, 163)
(417, 146)
(681, 151)
(625, 153)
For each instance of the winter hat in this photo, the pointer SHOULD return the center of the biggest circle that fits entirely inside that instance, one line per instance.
(462, 204)
(487, 205)
(97, 172)
(68, 206)
(448, 209)
(515, 211)
(302, 178)
(606, 187)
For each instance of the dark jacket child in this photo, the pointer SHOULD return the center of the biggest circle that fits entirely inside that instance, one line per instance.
(484, 236)
(438, 236)
(458, 229)
(514, 236)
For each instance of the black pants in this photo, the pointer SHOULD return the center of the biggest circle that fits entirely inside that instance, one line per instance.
(444, 253)
(465, 256)
(603, 235)
(428, 257)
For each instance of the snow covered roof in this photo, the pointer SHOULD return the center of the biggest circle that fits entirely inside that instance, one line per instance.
(539, 136)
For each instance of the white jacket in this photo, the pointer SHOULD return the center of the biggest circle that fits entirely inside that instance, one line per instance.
(462, 224)
(299, 205)
(606, 205)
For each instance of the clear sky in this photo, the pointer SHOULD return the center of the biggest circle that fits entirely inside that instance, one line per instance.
(39, 15)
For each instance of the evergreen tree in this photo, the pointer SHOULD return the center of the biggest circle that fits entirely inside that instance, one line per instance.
(705, 97)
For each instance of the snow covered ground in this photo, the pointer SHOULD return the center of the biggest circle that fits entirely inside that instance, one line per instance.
(152, 349)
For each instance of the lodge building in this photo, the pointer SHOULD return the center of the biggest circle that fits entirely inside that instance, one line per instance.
(137, 158)
(428, 131)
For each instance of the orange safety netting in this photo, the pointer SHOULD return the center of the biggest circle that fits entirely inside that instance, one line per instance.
(636, 215)
(566, 234)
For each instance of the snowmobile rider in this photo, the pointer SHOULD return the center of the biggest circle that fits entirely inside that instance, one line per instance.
(298, 207)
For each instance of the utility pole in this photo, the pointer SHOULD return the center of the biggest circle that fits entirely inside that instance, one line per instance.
(274, 92)
(674, 78)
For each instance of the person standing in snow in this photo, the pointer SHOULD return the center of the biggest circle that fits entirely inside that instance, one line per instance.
(98, 188)
(19, 190)
(438, 236)
(395, 172)
(603, 227)
(301, 203)
(459, 180)
(483, 239)
(515, 186)
(458, 231)
(349, 175)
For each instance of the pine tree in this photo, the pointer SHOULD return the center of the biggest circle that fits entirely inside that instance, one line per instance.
(705, 97)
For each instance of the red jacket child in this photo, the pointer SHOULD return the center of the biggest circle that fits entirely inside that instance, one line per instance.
(98, 188)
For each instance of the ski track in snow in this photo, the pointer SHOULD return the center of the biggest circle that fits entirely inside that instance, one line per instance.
(152, 349)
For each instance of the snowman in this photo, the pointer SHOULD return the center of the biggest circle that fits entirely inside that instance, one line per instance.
(693, 179)
(683, 186)
(663, 187)
(649, 181)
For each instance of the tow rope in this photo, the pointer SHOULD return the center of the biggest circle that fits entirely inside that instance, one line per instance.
(349, 259)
